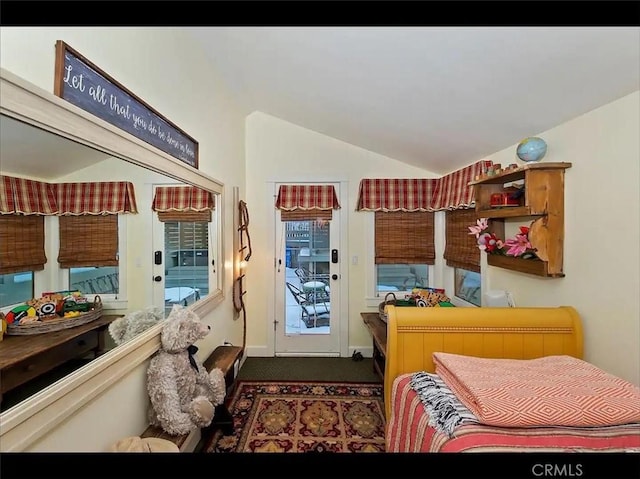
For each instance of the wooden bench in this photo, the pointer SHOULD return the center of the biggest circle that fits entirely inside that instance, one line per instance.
(227, 358)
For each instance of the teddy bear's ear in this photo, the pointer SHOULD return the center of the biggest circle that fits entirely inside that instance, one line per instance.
(117, 329)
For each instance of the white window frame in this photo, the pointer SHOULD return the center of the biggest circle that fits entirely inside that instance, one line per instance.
(460, 301)
(372, 297)
(448, 273)
(440, 275)
(60, 276)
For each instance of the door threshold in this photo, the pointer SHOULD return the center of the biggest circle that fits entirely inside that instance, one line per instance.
(307, 355)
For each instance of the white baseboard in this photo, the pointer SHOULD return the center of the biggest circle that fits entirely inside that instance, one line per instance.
(258, 352)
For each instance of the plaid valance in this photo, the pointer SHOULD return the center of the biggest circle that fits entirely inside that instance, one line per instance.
(307, 197)
(396, 194)
(420, 194)
(182, 198)
(452, 191)
(96, 198)
(31, 197)
(27, 197)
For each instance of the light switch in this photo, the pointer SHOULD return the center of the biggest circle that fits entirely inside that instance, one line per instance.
(354, 260)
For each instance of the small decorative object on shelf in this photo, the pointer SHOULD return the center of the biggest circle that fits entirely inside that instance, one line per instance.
(518, 246)
(531, 149)
(508, 197)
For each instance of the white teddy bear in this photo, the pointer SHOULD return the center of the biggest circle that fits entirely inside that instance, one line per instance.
(132, 324)
(183, 395)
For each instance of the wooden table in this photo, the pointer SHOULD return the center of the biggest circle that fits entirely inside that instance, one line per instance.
(378, 329)
(25, 357)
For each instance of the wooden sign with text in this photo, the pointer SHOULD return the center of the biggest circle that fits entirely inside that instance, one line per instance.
(80, 82)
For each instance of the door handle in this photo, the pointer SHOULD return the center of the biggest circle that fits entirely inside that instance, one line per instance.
(334, 276)
(157, 279)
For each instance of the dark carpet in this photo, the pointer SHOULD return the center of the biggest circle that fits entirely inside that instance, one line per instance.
(308, 369)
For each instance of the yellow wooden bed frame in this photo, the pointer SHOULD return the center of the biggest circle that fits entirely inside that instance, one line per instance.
(414, 334)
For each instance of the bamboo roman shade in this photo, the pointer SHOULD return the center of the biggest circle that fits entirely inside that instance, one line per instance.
(404, 231)
(461, 249)
(21, 243)
(306, 215)
(404, 237)
(306, 202)
(89, 221)
(183, 203)
(88, 240)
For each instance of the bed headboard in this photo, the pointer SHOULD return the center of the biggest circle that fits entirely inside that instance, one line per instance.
(414, 334)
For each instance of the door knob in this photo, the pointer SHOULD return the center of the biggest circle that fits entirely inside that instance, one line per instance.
(157, 278)
(334, 276)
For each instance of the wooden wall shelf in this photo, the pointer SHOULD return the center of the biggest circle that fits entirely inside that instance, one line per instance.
(507, 212)
(530, 266)
(543, 201)
(519, 173)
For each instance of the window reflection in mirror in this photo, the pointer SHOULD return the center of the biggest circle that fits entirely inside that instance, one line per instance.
(16, 288)
(95, 279)
(190, 247)
(186, 248)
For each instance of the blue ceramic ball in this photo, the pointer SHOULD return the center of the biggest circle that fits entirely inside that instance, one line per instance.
(531, 149)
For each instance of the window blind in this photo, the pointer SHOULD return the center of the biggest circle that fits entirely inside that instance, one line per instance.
(461, 248)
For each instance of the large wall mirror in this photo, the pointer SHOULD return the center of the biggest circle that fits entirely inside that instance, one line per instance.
(162, 261)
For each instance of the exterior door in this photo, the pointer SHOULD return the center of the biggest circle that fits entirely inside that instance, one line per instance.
(307, 286)
(181, 259)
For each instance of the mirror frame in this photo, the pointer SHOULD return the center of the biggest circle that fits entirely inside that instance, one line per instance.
(26, 422)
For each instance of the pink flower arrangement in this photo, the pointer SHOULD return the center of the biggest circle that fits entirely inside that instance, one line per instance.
(481, 225)
(519, 244)
(489, 242)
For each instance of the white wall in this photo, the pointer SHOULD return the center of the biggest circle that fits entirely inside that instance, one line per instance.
(163, 67)
(602, 234)
(280, 151)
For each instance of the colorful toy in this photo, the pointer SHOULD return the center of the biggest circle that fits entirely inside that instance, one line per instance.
(22, 313)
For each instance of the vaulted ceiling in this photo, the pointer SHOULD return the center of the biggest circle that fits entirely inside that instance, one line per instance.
(436, 97)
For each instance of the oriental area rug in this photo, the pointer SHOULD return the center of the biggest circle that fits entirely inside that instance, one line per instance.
(296, 416)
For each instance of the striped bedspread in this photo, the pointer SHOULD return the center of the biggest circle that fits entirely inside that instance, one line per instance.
(408, 430)
(546, 391)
